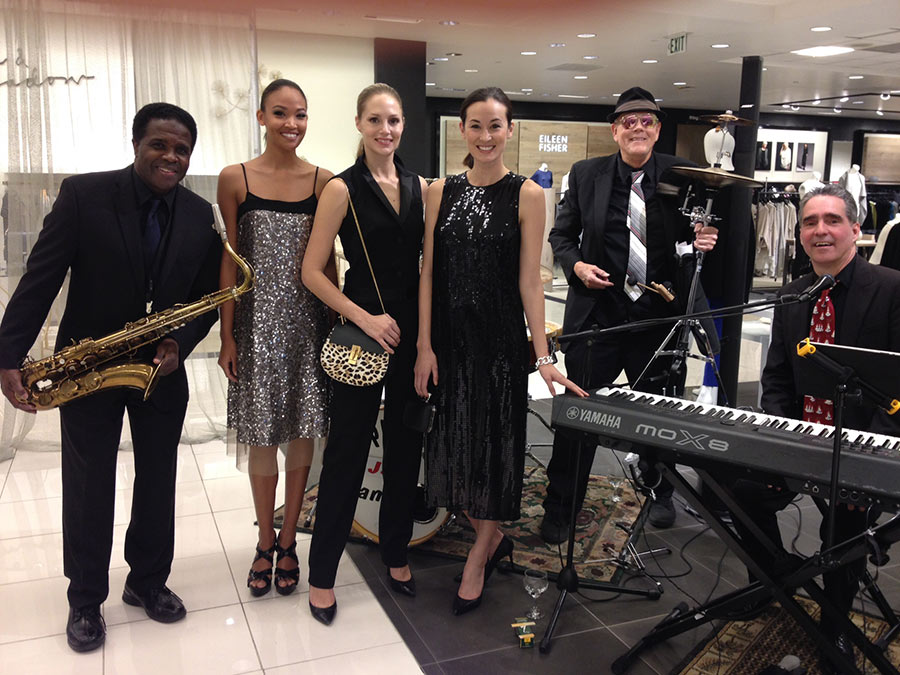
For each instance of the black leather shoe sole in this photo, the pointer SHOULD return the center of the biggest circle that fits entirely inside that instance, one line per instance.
(82, 645)
(167, 615)
(554, 531)
(323, 614)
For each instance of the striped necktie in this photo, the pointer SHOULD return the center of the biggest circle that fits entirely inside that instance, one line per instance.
(637, 228)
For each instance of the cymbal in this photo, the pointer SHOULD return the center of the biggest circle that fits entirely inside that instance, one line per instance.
(727, 118)
(712, 177)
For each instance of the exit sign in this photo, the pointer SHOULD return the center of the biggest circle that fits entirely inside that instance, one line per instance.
(678, 44)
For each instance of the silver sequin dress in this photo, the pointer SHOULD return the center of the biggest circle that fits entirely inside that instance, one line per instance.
(282, 392)
(475, 453)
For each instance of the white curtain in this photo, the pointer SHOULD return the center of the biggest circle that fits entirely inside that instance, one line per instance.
(72, 75)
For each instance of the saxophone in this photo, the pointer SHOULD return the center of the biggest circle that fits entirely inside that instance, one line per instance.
(86, 367)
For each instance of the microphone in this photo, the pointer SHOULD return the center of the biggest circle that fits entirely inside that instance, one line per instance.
(822, 283)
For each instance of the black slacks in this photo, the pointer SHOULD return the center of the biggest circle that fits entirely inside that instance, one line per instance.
(354, 411)
(91, 428)
(591, 365)
(762, 505)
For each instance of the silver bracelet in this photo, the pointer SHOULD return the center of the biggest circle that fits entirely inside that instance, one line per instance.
(548, 360)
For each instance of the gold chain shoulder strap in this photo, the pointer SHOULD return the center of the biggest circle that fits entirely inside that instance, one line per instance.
(365, 250)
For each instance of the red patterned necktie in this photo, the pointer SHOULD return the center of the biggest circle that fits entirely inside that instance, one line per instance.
(821, 329)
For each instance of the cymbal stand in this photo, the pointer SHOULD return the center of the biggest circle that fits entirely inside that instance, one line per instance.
(684, 328)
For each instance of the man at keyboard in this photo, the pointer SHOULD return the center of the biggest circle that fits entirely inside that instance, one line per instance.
(863, 310)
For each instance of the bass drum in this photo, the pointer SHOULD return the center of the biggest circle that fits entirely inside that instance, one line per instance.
(427, 521)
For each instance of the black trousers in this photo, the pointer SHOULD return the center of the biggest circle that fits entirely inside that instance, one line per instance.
(354, 411)
(590, 365)
(762, 505)
(91, 429)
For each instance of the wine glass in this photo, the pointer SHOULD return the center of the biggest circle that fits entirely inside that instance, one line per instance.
(535, 583)
(616, 482)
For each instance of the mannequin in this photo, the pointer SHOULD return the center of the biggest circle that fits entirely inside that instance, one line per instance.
(811, 184)
(784, 157)
(543, 176)
(714, 144)
(855, 183)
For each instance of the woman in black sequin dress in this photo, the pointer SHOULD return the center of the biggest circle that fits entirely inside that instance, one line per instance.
(481, 269)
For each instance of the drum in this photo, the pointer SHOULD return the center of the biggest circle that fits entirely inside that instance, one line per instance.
(551, 332)
(426, 520)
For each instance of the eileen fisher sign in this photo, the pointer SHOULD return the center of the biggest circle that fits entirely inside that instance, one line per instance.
(553, 143)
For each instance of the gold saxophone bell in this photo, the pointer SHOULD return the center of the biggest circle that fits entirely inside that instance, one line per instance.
(78, 370)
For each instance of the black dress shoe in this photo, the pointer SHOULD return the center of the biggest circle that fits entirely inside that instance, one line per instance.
(842, 642)
(662, 513)
(161, 604)
(461, 606)
(554, 530)
(407, 587)
(85, 628)
(504, 549)
(323, 614)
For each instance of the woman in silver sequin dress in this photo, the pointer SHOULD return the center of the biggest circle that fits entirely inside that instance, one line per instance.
(483, 231)
(277, 391)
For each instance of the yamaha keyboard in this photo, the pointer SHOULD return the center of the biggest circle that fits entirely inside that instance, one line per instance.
(706, 435)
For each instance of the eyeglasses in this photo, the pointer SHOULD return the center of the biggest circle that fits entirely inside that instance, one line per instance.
(647, 120)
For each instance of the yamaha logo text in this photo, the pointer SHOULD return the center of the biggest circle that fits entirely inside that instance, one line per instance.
(600, 419)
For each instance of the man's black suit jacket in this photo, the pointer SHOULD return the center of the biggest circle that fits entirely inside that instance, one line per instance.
(872, 321)
(94, 230)
(578, 232)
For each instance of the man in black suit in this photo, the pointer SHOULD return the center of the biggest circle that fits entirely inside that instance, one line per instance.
(592, 242)
(866, 313)
(135, 242)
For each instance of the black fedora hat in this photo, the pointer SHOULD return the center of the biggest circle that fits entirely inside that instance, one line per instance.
(635, 100)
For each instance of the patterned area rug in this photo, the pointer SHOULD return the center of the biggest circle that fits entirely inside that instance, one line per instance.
(597, 537)
(747, 647)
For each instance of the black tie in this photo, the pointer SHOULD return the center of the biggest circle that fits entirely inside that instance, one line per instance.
(152, 235)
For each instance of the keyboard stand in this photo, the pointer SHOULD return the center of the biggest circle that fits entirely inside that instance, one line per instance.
(732, 605)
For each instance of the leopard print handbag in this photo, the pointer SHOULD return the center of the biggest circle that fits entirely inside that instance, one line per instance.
(349, 355)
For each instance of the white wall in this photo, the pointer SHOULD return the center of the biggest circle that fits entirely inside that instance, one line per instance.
(331, 71)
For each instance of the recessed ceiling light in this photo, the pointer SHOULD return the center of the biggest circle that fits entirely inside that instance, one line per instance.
(895, 91)
(429, 84)
(449, 22)
(580, 77)
(857, 102)
(878, 112)
(453, 54)
(785, 105)
(441, 58)
(720, 45)
(590, 57)
(837, 110)
(746, 105)
(824, 50)
(885, 96)
(617, 95)
(820, 29)
(557, 44)
(471, 70)
(855, 77)
(658, 100)
(587, 35)
(844, 99)
(572, 96)
(765, 69)
(816, 102)
(392, 19)
(795, 108)
(527, 89)
(679, 84)
(528, 53)
(650, 61)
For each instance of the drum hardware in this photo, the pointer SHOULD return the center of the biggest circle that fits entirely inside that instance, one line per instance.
(529, 446)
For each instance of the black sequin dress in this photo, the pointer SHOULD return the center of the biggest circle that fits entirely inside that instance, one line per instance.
(475, 454)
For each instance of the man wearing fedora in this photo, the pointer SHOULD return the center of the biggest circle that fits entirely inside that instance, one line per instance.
(615, 233)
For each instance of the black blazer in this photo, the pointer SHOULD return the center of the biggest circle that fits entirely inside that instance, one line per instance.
(577, 234)
(872, 321)
(94, 230)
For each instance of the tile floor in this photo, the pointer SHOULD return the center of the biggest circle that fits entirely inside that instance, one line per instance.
(229, 631)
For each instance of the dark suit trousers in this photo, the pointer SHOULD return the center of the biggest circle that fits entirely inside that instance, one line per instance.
(762, 505)
(607, 357)
(354, 412)
(91, 429)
